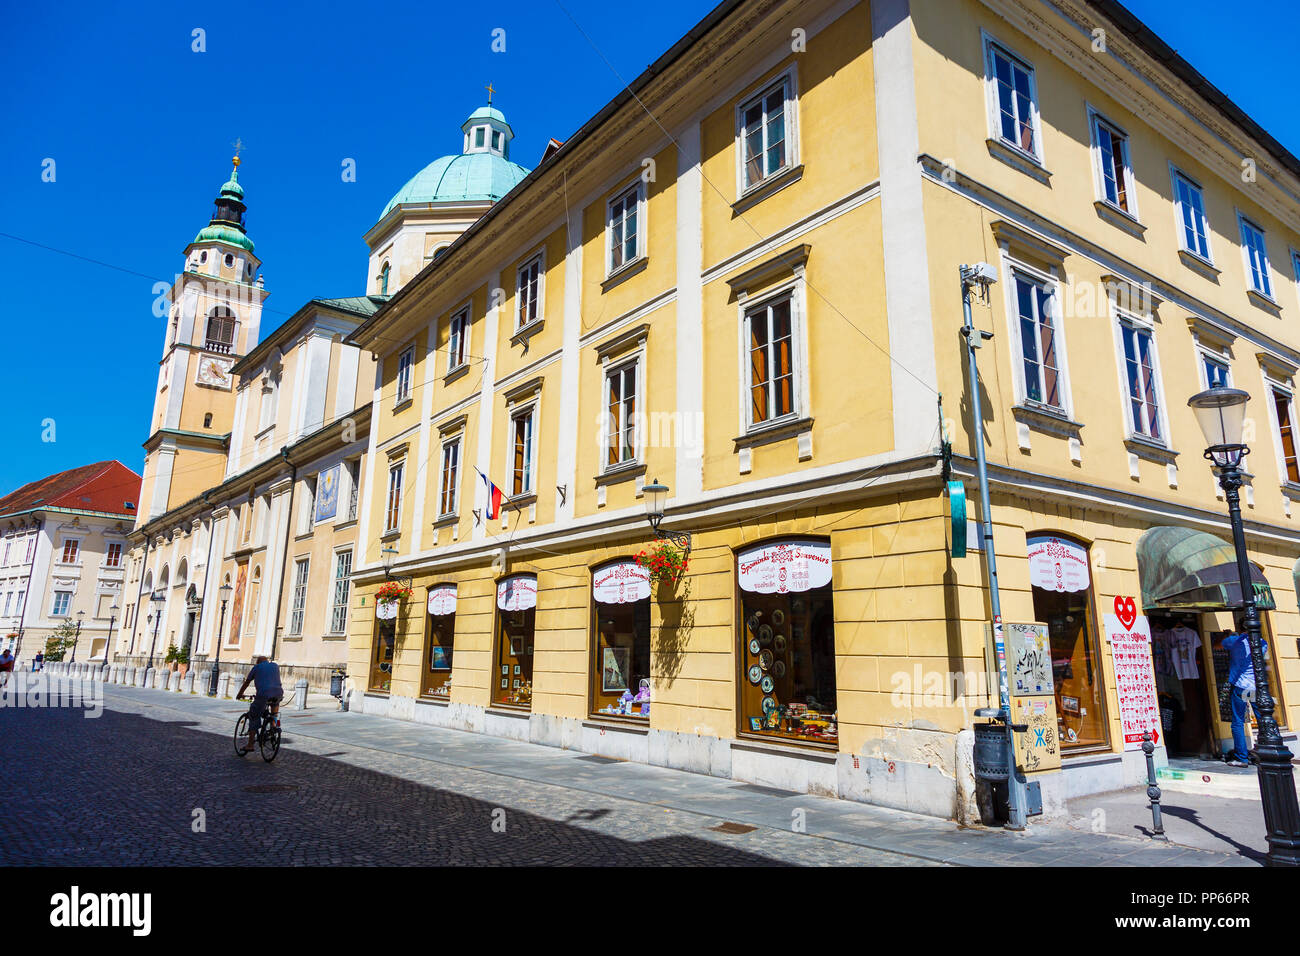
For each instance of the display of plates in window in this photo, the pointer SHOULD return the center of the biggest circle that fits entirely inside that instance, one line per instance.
(752, 622)
(755, 674)
(754, 646)
(778, 643)
(767, 684)
(778, 617)
(765, 635)
(769, 705)
(779, 669)
(765, 659)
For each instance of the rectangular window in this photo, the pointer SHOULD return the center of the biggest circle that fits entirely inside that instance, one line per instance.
(1252, 243)
(771, 360)
(1036, 315)
(393, 513)
(307, 507)
(70, 551)
(1290, 468)
(522, 457)
(1140, 373)
(1216, 372)
(1017, 111)
(31, 549)
(1112, 154)
(763, 134)
(62, 600)
(354, 487)
(1191, 214)
(457, 334)
(342, 589)
(625, 228)
(621, 408)
(113, 557)
(405, 362)
(266, 413)
(301, 569)
(529, 292)
(450, 474)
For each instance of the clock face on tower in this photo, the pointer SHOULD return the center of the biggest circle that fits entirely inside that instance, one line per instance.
(214, 372)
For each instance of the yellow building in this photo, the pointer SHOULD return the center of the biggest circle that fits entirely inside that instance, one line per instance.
(740, 280)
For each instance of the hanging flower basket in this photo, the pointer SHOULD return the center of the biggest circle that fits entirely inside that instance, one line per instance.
(392, 593)
(665, 561)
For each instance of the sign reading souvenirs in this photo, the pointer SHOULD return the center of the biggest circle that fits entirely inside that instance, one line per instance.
(785, 566)
(620, 583)
(442, 599)
(518, 593)
(386, 610)
(1135, 681)
(1056, 564)
(1031, 659)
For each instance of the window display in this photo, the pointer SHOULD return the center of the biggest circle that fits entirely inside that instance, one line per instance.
(512, 676)
(620, 672)
(440, 630)
(381, 655)
(787, 634)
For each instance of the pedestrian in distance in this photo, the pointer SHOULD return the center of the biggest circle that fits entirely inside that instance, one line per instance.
(6, 666)
(1241, 680)
(38, 661)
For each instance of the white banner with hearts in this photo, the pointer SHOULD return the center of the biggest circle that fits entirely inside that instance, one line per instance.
(1056, 564)
(442, 599)
(1135, 679)
(517, 593)
(785, 566)
(620, 583)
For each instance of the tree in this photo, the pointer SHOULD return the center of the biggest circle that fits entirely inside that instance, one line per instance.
(58, 643)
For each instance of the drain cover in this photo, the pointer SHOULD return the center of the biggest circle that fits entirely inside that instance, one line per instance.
(733, 828)
(274, 788)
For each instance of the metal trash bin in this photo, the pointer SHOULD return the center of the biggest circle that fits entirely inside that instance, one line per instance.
(336, 684)
(992, 752)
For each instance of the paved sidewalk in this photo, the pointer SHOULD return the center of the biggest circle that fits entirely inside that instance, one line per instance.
(543, 778)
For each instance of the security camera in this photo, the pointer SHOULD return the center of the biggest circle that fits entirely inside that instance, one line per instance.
(981, 273)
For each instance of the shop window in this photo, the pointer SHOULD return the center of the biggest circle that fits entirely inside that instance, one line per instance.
(1062, 591)
(440, 631)
(787, 634)
(512, 674)
(620, 665)
(381, 654)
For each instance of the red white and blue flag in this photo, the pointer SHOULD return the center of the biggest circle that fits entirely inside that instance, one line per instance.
(494, 497)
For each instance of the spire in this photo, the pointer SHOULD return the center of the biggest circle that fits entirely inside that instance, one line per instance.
(227, 222)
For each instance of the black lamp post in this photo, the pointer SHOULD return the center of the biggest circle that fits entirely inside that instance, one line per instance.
(157, 598)
(76, 637)
(224, 591)
(1221, 413)
(108, 644)
(655, 497)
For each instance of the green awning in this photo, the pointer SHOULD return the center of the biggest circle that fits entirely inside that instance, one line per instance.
(1194, 571)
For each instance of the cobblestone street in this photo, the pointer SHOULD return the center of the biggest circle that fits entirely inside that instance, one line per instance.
(352, 789)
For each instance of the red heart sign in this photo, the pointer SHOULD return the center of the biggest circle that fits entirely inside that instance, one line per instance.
(1126, 610)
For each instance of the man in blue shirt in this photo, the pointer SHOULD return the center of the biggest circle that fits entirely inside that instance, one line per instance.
(1241, 680)
(265, 677)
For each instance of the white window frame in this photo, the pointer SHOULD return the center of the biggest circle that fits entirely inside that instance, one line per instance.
(108, 553)
(1142, 324)
(1096, 121)
(1204, 356)
(63, 552)
(1010, 267)
(1273, 385)
(397, 467)
(307, 504)
(619, 366)
(405, 376)
(1175, 175)
(993, 104)
(538, 257)
(451, 441)
(637, 187)
(789, 78)
(1245, 223)
(298, 607)
(524, 408)
(466, 316)
(800, 392)
(345, 584)
(67, 605)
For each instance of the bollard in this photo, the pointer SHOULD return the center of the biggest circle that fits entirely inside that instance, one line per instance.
(187, 683)
(174, 681)
(223, 686)
(1153, 792)
(147, 680)
(300, 694)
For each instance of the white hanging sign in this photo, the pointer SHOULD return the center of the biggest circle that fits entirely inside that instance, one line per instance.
(442, 599)
(386, 611)
(620, 583)
(518, 593)
(1057, 565)
(785, 566)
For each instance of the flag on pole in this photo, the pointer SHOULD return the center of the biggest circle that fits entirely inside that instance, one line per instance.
(494, 497)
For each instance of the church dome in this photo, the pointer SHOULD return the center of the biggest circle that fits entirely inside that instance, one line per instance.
(482, 172)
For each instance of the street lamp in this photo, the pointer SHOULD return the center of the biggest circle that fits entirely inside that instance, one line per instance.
(76, 637)
(224, 591)
(112, 618)
(1221, 413)
(655, 497)
(387, 556)
(157, 598)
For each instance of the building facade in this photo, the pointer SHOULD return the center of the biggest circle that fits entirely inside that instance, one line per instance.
(63, 550)
(740, 280)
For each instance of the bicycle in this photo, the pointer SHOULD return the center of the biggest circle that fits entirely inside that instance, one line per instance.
(268, 734)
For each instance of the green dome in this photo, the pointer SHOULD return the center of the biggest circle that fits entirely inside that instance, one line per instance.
(227, 234)
(468, 177)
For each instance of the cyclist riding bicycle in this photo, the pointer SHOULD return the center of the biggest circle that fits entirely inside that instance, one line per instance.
(265, 676)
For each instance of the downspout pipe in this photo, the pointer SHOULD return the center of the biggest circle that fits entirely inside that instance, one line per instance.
(288, 535)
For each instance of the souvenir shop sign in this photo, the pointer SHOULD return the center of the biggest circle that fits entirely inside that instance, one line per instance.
(1031, 659)
(1129, 634)
(386, 610)
(518, 593)
(1057, 565)
(620, 583)
(785, 566)
(1038, 748)
(442, 599)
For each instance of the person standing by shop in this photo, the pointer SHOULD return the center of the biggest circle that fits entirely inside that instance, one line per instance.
(38, 661)
(1241, 681)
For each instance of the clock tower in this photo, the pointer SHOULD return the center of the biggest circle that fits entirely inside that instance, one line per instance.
(213, 319)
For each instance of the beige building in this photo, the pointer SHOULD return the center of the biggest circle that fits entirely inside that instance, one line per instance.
(740, 280)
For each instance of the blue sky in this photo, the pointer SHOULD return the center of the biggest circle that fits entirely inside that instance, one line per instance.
(140, 129)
